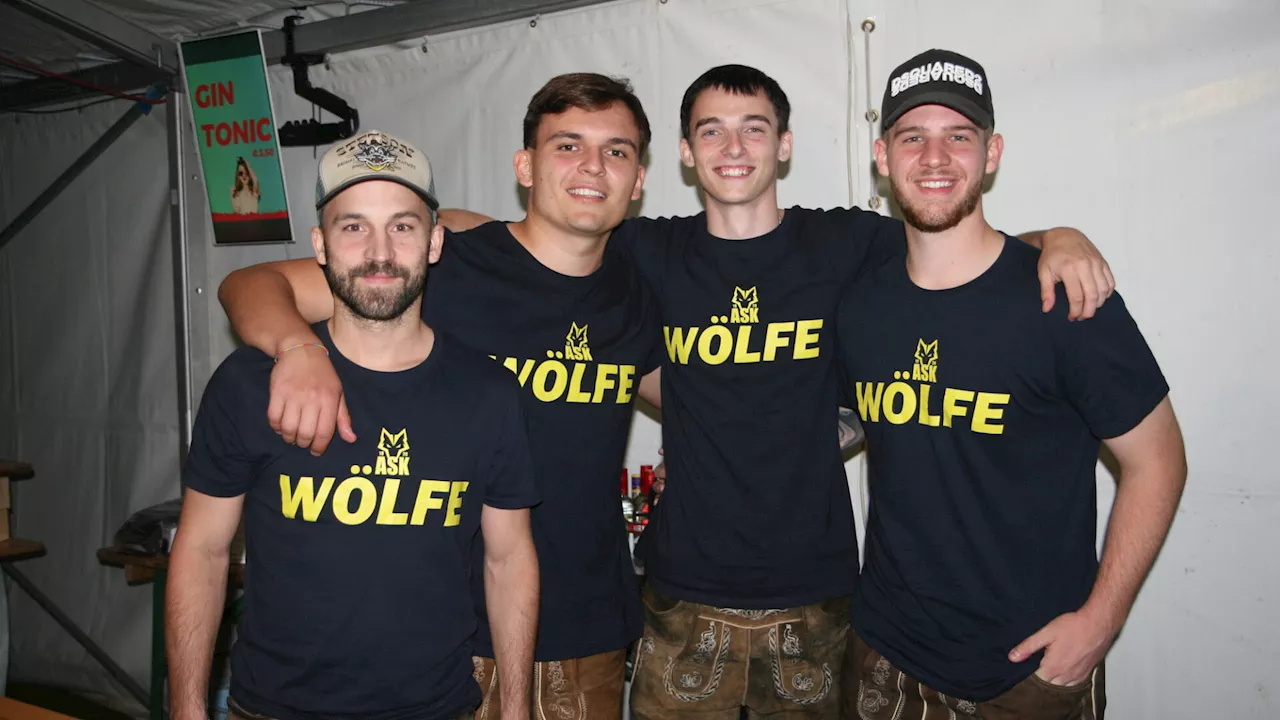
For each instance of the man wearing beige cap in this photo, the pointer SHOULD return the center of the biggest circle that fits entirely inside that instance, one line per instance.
(574, 324)
(359, 601)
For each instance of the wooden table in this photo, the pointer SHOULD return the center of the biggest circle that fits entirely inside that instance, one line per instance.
(16, 470)
(15, 549)
(10, 470)
(18, 549)
(143, 568)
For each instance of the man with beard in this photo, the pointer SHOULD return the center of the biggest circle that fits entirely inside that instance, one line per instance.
(576, 327)
(751, 556)
(981, 593)
(358, 592)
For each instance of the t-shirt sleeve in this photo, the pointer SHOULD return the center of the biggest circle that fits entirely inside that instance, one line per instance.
(1106, 368)
(643, 242)
(508, 469)
(651, 327)
(222, 461)
(657, 351)
(860, 240)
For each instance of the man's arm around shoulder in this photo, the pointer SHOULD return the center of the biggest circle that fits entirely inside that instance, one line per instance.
(271, 307)
(194, 596)
(457, 220)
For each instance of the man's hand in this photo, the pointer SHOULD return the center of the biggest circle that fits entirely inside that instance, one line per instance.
(1068, 256)
(1074, 644)
(659, 479)
(307, 401)
(849, 429)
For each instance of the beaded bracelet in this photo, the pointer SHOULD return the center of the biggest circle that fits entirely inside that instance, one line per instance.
(295, 347)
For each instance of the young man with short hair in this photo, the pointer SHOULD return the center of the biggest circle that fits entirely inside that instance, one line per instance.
(575, 326)
(358, 579)
(762, 523)
(981, 594)
(752, 555)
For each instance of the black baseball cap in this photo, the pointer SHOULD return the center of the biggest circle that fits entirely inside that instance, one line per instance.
(938, 77)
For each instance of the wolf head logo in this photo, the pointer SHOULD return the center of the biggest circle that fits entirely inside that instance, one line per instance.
(577, 336)
(927, 354)
(743, 299)
(376, 155)
(393, 445)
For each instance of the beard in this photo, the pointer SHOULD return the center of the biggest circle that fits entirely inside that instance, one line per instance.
(932, 219)
(378, 305)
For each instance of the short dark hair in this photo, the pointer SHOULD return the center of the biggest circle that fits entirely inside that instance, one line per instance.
(738, 80)
(585, 91)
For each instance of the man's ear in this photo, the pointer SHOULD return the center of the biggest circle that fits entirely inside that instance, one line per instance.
(638, 190)
(995, 150)
(686, 153)
(882, 157)
(436, 244)
(785, 146)
(523, 163)
(317, 244)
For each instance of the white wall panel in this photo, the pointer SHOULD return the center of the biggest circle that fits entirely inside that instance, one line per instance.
(90, 397)
(1152, 127)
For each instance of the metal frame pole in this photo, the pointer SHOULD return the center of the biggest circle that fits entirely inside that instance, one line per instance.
(70, 174)
(181, 270)
(92, 23)
(72, 629)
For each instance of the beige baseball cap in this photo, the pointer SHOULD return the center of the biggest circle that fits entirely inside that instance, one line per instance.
(375, 155)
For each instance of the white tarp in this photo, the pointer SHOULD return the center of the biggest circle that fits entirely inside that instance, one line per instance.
(89, 387)
(1150, 127)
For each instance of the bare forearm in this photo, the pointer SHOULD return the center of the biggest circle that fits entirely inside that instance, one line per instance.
(458, 220)
(650, 389)
(1140, 519)
(1034, 238)
(263, 310)
(511, 593)
(193, 606)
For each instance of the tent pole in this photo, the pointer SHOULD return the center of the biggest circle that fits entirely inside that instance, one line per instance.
(181, 270)
(84, 161)
(125, 679)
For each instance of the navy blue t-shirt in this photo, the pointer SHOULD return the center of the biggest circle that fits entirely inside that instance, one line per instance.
(358, 593)
(756, 513)
(578, 347)
(983, 418)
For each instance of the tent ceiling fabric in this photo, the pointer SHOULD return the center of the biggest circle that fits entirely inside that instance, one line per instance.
(31, 41)
(174, 18)
(35, 42)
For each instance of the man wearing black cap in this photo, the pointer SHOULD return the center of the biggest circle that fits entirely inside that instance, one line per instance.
(981, 593)
(752, 554)
(358, 594)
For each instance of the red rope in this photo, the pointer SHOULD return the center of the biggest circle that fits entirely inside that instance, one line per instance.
(81, 83)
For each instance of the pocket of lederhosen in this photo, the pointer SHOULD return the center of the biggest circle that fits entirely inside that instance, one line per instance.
(806, 653)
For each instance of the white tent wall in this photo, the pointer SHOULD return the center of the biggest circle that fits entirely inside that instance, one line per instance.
(1147, 125)
(89, 388)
